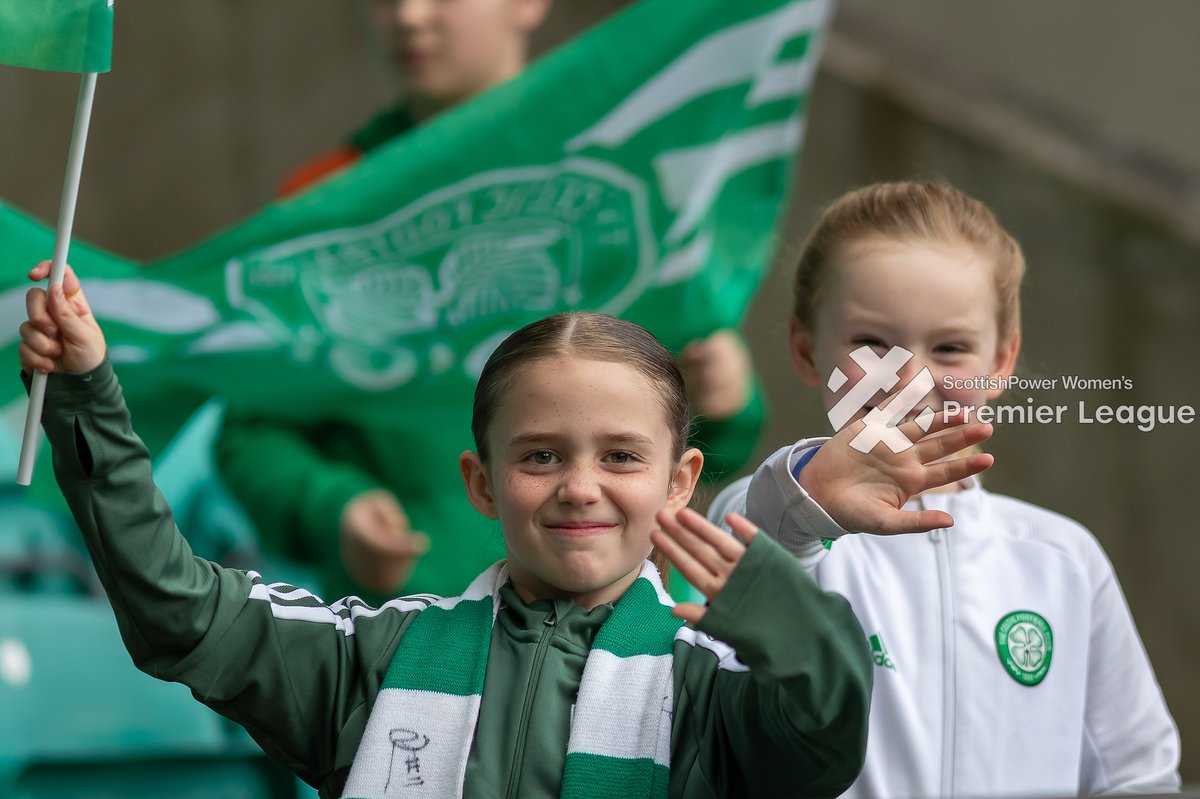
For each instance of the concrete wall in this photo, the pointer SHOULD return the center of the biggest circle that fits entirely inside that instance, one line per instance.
(1122, 70)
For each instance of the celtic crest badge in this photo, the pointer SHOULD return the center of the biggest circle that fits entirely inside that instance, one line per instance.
(1025, 645)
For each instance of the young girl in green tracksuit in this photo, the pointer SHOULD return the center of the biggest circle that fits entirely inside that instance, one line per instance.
(563, 670)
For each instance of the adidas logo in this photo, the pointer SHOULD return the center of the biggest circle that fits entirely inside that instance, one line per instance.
(880, 654)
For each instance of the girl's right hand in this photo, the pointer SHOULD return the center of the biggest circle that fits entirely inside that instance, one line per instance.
(61, 334)
(865, 491)
(702, 552)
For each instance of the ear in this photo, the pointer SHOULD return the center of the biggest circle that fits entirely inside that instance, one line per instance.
(801, 345)
(1005, 362)
(683, 482)
(529, 14)
(477, 484)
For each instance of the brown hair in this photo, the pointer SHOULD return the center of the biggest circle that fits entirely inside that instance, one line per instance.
(592, 336)
(911, 211)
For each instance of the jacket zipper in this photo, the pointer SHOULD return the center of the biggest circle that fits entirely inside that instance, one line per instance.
(941, 542)
(535, 673)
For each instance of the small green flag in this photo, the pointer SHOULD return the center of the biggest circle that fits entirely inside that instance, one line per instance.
(59, 35)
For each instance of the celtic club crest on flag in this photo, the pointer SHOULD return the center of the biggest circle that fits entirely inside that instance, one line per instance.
(466, 257)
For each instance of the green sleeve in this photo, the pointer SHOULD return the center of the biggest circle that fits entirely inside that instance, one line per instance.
(727, 444)
(292, 492)
(796, 723)
(298, 675)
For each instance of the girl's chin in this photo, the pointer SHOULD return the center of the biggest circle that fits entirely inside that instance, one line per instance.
(577, 576)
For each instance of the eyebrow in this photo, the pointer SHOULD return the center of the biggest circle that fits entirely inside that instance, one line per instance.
(615, 438)
(883, 323)
(857, 318)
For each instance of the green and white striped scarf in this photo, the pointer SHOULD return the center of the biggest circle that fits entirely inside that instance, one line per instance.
(421, 728)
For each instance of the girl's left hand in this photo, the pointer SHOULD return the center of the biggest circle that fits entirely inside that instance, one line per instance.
(702, 552)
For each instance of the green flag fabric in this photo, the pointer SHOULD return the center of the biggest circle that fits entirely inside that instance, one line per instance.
(638, 170)
(59, 35)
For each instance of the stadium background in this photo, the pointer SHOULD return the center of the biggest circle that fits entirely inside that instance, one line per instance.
(1079, 124)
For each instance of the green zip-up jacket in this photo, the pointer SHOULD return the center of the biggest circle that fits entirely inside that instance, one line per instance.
(778, 711)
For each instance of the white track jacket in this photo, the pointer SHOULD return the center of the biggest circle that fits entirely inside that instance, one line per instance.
(1006, 659)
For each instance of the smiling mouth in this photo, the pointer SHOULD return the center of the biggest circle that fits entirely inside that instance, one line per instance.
(580, 529)
(413, 57)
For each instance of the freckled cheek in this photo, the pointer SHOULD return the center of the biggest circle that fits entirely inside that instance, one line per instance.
(649, 496)
(525, 493)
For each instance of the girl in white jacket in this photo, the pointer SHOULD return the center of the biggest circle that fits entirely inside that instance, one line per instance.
(1006, 660)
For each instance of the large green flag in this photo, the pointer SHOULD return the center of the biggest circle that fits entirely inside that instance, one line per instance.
(60, 35)
(639, 170)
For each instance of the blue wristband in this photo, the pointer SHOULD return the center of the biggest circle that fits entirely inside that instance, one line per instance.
(804, 459)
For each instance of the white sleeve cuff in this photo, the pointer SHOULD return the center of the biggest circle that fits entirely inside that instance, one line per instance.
(777, 503)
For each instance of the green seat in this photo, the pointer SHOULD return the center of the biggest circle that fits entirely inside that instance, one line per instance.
(42, 552)
(78, 720)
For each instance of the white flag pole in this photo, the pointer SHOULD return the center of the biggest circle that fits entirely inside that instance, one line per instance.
(62, 242)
